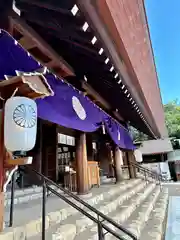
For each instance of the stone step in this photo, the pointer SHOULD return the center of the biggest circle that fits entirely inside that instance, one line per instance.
(156, 225)
(83, 224)
(136, 222)
(123, 212)
(28, 194)
(28, 216)
(23, 195)
(27, 211)
(148, 219)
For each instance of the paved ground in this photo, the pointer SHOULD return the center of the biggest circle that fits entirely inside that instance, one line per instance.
(174, 188)
(173, 221)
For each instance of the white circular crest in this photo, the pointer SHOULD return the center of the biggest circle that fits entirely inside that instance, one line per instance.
(78, 108)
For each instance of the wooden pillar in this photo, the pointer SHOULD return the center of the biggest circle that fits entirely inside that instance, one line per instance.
(132, 169)
(118, 160)
(81, 164)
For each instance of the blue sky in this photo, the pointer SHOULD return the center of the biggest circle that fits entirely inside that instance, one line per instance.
(164, 23)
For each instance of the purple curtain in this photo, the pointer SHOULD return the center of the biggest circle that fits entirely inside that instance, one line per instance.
(67, 107)
(14, 57)
(118, 133)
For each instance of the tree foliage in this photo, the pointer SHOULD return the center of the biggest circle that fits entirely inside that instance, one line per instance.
(137, 136)
(172, 115)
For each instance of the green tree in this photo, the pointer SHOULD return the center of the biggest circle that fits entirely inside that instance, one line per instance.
(172, 115)
(137, 135)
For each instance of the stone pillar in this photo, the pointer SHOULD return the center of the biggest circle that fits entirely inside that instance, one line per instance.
(118, 160)
(81, 164)
(132, 169)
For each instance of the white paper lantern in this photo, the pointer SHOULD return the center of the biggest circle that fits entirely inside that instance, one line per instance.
(138, 156)
(20, 124)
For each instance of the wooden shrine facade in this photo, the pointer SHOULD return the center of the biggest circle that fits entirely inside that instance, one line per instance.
(85, 43)
(74, 159)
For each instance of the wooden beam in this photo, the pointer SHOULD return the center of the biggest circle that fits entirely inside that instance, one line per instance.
(51, 64)
(27, 43)
(95, 95)
(49, 6)
(27, 31)
(51, 27)
(97, 98)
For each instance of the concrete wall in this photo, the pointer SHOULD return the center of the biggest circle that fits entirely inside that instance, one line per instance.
(174, 155)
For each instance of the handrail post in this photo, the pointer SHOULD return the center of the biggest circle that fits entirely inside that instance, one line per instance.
(100, 232)
(145, 177)
(156, 180)
(12, 200)
(153, 177)
(160, 183)
(100, 229)
(44, 211)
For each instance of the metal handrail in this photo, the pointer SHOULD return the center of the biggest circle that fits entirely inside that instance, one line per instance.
(157, 177)
(147, 170)
(47, 185)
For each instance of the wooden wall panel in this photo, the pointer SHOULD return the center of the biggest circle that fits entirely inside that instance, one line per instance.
(49, 150)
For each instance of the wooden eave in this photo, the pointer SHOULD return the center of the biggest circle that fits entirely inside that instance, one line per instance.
(35, 45)
(62, 35)
(102, 24)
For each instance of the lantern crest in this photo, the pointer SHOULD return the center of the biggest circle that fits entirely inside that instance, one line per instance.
(20, 124)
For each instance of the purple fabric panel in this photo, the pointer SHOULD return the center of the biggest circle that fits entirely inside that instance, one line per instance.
(118, 133)
(59, 108)
(14, 57)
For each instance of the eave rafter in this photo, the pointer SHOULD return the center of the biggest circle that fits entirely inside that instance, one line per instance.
(66, 27)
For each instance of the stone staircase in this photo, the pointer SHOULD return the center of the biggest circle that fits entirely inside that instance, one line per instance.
(24, 195)
(138, 206)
